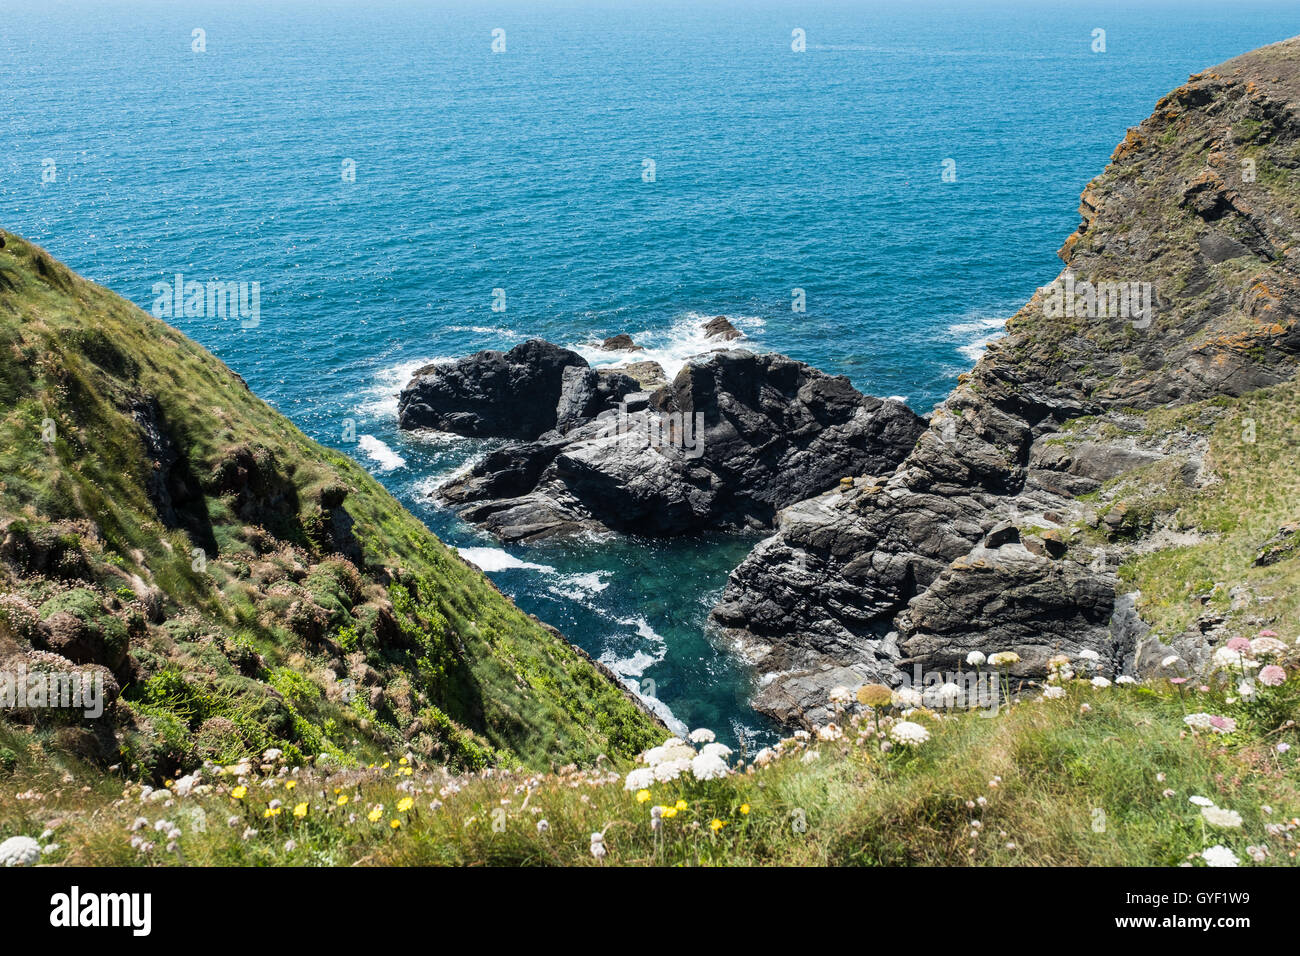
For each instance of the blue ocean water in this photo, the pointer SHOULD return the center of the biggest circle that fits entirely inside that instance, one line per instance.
(522, 170)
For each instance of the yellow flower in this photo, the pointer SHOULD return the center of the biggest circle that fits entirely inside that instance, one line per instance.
(669, 812)
(290, 784)
(715, 824)
(744, 809)
(395, 824)
(403, 761)
(386, 765)
(642, 796)
(239, 793)
(680, 805)
(300, 810)
(405, 804)
(375, 814)
(269, 812)
(342, 800)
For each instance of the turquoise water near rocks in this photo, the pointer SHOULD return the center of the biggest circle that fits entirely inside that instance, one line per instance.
(774, 170)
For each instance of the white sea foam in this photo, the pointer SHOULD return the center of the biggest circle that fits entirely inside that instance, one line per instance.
(496, 559)
(387, 459)
(984, 330)
(379, 399)
(673, 347)
(581, 587)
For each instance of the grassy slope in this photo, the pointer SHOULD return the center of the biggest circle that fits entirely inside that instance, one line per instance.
(1062, 786)
(260, 637)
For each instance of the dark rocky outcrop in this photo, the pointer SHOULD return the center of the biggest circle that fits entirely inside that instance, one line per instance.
(734, 438)
(621, 343)
(720, 327)
(491, 394)
(981, 540)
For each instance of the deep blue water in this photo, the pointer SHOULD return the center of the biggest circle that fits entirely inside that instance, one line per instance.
(522, 171)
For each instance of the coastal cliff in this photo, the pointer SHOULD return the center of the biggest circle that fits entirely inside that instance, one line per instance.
(234, 586)
(1097, 454)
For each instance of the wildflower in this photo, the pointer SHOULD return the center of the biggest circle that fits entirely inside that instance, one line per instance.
(715, 824)
(908, 733)
(1219, 855)
(709, 767)
(139, 824)
(1170, 661)
(274, 804)
(290, 784)
(1100, 682)
(543, 826)
(1085, 708)
(1004, 659)
(290, 846)
(668, 812)
(1223, 725)
(1167, 793)
(1232, 658)
(271, 813)
(1199, 721)
(670, 770)
(1218, 817)
(300, 811)
(1272, 676)
(1283, 747)
(239, 792)
(342, 801)
(744, 809)
(1125, 679)
(1257, 853)
(1266, 646)
(702, 736)
(1053, 693)
(1088, 654)
(1200, 801)
(1238, 644)
(721, 751)
(874, 695)
(395, 824)
(975, 658)
(830, 732)
(404, 805)
(906, 697)
(642, 796)
(376, 814)
(598, 845)
(271, 755)
(809, 757)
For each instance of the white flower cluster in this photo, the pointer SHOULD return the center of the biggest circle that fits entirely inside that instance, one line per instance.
(674, 757)
(908, 734)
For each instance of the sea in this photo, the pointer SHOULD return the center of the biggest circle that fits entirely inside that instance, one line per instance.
(869, 187)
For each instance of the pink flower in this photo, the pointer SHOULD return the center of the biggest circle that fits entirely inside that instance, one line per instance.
(1268, 633)
(1178, 680)
(1239, 644)
(1272, 676)
(1224, 725)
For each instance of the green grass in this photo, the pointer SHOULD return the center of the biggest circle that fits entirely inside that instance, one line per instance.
(1059, 785)
(1254, 491)
(250, 583)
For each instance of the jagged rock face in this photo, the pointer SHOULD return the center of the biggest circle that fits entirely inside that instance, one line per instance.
(969, 546)
(493, 394)
(733, 439)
